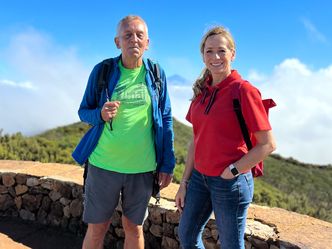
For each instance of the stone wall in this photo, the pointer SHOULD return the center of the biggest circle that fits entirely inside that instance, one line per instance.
(55, 202)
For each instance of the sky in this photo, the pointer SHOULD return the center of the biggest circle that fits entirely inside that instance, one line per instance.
(284, 48)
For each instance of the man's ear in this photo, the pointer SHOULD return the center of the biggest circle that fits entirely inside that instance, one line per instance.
(117, 42)
(147, 44)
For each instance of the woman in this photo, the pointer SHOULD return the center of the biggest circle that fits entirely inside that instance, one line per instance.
(217, 176)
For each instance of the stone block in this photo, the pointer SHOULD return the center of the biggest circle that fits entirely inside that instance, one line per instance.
(8, 179)
(32, 181)
(169, 243)
(20, 189)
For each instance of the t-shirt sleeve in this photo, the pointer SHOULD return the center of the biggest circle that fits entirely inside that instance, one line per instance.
(188, 116)
(253, 109)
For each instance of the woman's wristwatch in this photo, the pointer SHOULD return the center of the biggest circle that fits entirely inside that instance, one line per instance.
(234, 170)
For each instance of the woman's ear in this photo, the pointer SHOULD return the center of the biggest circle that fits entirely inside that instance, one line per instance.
(233, 55)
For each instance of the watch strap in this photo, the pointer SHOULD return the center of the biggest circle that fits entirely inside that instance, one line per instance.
(234, 170)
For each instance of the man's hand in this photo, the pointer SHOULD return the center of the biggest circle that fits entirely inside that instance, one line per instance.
(164, 179)
(109, 110)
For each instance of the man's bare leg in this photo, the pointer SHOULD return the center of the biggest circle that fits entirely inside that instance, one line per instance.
(134, 237)
(94, 237)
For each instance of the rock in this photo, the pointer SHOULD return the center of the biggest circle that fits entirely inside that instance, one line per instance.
(54, 195)
(46, 203)
(6, 201)
(259, 230)
(77, 192)
(120, 232)
(3, 189)
(64, 201)
(42, 216)
(116, 219)
(156, 230)
(32, 181)
(172, 217)
(156, 215)
(168, 230)
(210, 244)
(169, 243)
(47, 184)
(8, 179)
(27, 215)
(21, 179)
(21, 189)
(38, 190)
(260, 244)
(66, 212)
(18, 202)
(56, 210)
(30, 202)
(206, 233)
(65, 191)
(76, 208)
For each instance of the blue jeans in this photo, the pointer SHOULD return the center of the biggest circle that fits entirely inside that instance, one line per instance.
(228, 199)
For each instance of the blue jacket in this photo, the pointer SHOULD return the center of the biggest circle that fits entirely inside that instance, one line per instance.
(90, 112)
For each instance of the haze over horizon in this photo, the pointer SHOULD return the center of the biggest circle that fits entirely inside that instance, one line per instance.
(47, 51)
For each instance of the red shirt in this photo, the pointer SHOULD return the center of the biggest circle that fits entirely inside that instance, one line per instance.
(217, 135)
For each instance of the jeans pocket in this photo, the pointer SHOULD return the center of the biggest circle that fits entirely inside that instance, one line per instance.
(249, 180)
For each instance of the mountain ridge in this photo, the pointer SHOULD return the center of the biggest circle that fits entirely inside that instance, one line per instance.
(287, 183)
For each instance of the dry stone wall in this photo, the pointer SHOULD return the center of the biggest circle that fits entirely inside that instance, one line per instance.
(57, 203)
(51, 201)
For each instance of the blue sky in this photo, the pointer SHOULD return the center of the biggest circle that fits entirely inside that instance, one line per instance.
(47, 49)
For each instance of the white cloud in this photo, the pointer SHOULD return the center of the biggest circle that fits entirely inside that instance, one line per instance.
(254, 76)
(302, 120)
(180, 99)
(10, 83)
(51, 89)
(313, 32)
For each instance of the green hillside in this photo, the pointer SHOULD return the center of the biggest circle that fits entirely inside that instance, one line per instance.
(287, 183)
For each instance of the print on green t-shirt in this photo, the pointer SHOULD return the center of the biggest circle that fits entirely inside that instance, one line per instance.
(129, 147)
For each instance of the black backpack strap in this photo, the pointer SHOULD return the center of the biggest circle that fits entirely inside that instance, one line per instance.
(103, 77)
(156, 75)
(85, 174)
(158, 84)
(239, 115)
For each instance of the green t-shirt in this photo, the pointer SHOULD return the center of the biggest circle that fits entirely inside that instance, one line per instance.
(129, 147)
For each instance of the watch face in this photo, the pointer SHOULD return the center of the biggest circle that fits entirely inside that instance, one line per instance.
(234, 171)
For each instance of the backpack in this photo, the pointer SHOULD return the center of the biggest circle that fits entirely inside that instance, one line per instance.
(104, 75)
(257, 170)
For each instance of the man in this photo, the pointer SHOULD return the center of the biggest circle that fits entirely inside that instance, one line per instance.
(131, 135)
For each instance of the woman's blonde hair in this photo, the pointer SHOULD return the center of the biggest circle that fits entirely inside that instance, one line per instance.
(218, 30)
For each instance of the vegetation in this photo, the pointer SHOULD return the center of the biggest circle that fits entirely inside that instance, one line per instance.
(287, 183)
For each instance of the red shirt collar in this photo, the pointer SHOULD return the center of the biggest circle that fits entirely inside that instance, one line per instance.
(234, 76)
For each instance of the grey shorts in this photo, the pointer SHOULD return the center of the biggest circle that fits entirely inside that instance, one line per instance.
(103, 189)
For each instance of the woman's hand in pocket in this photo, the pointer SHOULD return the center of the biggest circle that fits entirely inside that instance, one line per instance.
(227, 174)
(180, 196)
